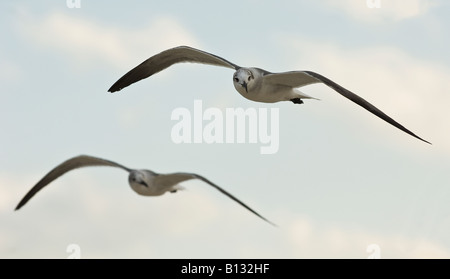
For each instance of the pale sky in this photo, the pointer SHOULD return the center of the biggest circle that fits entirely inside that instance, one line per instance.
(342, 179)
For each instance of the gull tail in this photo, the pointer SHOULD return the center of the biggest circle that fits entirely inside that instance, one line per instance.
(304, 95)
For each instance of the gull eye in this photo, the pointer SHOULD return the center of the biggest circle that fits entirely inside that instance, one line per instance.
(236, 79)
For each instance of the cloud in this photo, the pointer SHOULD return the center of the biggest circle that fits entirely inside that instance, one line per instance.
(409, 89)
(11, 187)
(376, 11)
(10, 72)
(307, 239)
(87, 41)
(98, 210)
(107, 220)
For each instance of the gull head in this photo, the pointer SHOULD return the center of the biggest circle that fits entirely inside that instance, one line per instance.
(243, 80)
(139, 182)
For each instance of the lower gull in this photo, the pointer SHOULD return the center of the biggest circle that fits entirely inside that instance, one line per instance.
(143, 182)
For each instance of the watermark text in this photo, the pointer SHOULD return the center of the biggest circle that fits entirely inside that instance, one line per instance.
(73, 4)
(373, 4)
(74, 251)
(374, 251)
(234, 125)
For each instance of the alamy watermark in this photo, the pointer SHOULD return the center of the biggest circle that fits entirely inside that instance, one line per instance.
(72, 4)
(74, 251)
(232, 125)
(373, 4)
(374, 251)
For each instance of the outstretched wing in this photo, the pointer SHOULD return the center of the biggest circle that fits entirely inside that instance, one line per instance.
(73, 163)
(302, 78)
(167, 58)
(293, 79)
(176, 178)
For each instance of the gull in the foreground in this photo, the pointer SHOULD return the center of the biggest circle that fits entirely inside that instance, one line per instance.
(252, 83)
(143, 182)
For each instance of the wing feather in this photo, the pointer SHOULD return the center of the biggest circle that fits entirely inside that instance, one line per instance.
(66, 166)
(179, 177)
(164, 60)
(303, 78)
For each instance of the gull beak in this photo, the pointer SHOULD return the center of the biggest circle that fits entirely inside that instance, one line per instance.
(143, 183)
(244, 84)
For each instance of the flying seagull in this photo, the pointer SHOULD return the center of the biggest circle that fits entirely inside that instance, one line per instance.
(252, 83)
(143, 182)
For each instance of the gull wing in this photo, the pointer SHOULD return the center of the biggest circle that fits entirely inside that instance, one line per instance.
(167, 58)
(302, 78)
(176, 178)
(293, 79)
(73, 163)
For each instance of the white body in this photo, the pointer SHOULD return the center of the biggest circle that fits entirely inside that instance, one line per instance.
(148, 183)
(259, 89)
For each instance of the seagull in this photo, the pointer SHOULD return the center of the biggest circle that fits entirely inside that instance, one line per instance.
(143, 182)
(252, 83)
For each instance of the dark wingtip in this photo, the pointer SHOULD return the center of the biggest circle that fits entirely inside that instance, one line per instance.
(112, 89)
(116, 86)
(18, 206)
(414, 135)
(268, 221)
(273, 224)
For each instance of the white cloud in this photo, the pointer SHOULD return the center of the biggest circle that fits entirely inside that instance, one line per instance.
(107, 219)
(115, 215)
(9, 71)
(11, 188)
(87, 41)
(411, 90)
(306, 239)
(377, 11)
